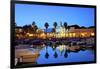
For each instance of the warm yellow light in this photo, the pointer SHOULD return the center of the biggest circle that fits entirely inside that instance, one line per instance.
(42, 35)
(62, 35)
(92, 34)
(17, 35)
(20, 30)
(74, 34)
(30, 34)
(70, 34)
(27, 33)
(83, 34)
(66, 35)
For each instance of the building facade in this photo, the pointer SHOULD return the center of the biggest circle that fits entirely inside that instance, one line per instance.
(60, 32)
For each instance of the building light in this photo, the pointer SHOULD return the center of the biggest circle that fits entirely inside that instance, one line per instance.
(43, 35)
(70, 34)
(83, 34)
(92, 34)
(73, 34)
(17, 35)
(62, 35)
(20, 30)
(66, 34)
(27, 33)
(30, 35)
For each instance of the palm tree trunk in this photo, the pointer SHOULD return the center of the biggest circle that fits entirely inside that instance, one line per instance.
(65, 33)
(46, 39)
(68, 34)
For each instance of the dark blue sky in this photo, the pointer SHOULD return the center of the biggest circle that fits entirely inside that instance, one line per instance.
(26, 14)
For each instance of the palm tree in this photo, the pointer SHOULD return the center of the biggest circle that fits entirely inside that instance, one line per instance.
(55, 25)
(33, 23)
(65, 25)
(46, 26)
(34, 27)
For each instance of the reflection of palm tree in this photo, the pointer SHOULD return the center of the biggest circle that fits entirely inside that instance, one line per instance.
(55, 54)
(62, 52)
(46, 55)
(55, 25)
(61, 49)
(54, 48)
(65, 25)
(46, 26)
(65, 55)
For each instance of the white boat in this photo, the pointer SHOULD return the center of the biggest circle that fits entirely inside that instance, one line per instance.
(26, 55)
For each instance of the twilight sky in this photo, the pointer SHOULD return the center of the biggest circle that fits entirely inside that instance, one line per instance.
(26, 14)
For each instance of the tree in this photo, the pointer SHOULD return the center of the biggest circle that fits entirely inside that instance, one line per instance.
(91, 27)
(83, 27)
(34, 27)
(27, 28)
(55, 25)
(76, 26)
(46, 26)
(65, 25)
(33, 23)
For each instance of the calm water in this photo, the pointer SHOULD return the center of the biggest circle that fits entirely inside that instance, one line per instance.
(80, 56)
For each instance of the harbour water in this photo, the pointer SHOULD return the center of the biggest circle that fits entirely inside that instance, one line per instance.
(64, 56)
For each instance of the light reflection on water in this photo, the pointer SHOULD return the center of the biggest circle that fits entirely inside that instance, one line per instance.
(80, 56)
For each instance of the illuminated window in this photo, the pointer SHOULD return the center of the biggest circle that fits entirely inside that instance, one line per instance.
(73, 34)
(66, 35)
(42, 35)
(92, 34)
(30, 34)
(70, 34)
(27, 33)
(20, 30)
(82, 34)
